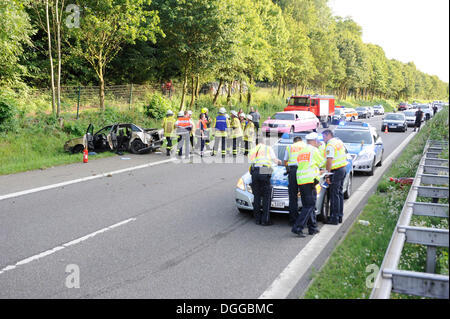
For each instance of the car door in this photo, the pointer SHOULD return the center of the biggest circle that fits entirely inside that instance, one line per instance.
(378, 146)
(112, 137)
(90, 137)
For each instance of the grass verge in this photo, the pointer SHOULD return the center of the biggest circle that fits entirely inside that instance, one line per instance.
(348, 269)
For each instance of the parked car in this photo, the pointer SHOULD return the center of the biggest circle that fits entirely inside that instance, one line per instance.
(339, 115)
(410, 117)
(379, 109)
(371, 111)
(279, 182)
(351, 114)
(290, 122)
(394, 122)
(363, 112)
(117, 137)
(403, 106)
(363, 143)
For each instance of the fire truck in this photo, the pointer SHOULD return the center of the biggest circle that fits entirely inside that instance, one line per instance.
(322, 106)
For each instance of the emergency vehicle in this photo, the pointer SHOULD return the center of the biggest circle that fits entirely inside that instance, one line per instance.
(322, 106)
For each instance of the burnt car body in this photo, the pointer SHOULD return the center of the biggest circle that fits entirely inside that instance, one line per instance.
(126, 137)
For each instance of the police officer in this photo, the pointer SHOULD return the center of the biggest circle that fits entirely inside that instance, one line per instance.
(168, 126)
(220, 135)
(336, 161)
(262, 159)
(309, 160)
(290, 162)
(313, 140)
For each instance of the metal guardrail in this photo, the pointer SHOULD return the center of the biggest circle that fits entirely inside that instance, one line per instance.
(427, 183)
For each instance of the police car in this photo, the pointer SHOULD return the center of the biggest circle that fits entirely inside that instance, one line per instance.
(363, 143)
(279, 182)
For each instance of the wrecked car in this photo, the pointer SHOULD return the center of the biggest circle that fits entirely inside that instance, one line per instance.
(126, 137)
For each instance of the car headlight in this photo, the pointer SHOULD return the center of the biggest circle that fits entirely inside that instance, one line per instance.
(241, 184)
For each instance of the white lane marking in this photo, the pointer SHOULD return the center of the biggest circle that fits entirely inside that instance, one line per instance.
(297, 268)
(63, 246)
(84, 179)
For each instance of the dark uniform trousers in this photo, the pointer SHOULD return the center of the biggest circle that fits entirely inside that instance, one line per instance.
(293, 193)
(261, 190)
(337, 194)
(307, 195)
(217, 140)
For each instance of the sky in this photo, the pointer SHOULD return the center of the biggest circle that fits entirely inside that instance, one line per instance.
(408, 30)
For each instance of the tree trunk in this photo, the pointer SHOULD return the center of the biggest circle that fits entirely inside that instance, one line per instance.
(230, 88)
(183, 96)
(279, 86)
(58, 28)
(197, 86)
(193, 93)
(240, 90)
(296, 88)
(218, 91)
(102, 90)
(284, 88)
(52, 71)
(249, 95)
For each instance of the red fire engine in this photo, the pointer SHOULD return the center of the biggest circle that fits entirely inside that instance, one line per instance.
(322, 106)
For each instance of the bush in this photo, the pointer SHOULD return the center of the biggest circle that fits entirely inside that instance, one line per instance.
(157, 107)
(8, 112)
(74, 128)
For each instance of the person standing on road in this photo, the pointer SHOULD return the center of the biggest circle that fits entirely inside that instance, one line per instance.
(256, 117)
(168, 126)
(184, 127)
(419, 118)
(208, 127)
(201, 135)
(308, 161)
(249, 135)
(291, 164)
(236, 134)
(435, 108)
(262, 159)
(220, 134)
(336, 161)
(313, 140)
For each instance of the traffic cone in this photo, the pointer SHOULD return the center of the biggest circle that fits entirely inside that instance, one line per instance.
(85, 155)
(386, 129)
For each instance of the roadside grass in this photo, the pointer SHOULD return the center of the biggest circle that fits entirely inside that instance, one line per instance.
(348, 272)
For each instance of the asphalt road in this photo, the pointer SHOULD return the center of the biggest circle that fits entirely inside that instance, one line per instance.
(175, 234)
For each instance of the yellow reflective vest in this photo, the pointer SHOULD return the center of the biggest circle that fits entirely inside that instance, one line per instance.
(260, 155)
(249, 132)
(168, 126)
(309, 160)
(340, 158)
(292, 152)
(236, 128)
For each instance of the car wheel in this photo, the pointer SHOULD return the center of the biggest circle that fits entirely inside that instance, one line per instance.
(381, 160)
(372, 168)
(325, 209)
(136, 146)
(77, 149)
(348, 190)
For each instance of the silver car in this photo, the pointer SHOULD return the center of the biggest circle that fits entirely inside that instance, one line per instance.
(279, 182)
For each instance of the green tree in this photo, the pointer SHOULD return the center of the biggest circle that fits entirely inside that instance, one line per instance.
(15, 32)
(105, 26)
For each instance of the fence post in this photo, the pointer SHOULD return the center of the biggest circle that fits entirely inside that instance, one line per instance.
(78, 102)
(131, 95)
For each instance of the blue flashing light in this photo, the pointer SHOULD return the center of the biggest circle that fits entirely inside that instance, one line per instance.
(365, 125)
(342, 123)
(285, 136)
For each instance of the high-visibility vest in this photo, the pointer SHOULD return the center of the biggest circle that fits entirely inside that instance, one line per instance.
(293, 151)
(169, 126)
(249, 132)
(237, 128)
(260, 155)
(340, 158)
(322, 151)
(183, 124)
(308, 160)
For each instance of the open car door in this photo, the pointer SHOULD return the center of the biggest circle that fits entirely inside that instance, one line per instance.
(90, 137)
(112, 137)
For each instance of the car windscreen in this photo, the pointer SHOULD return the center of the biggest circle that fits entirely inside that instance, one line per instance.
(395, 117)
(350, 136)
(361, 109)
(283, 116)
(410, 113)
(299, 101)
(338, 111)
